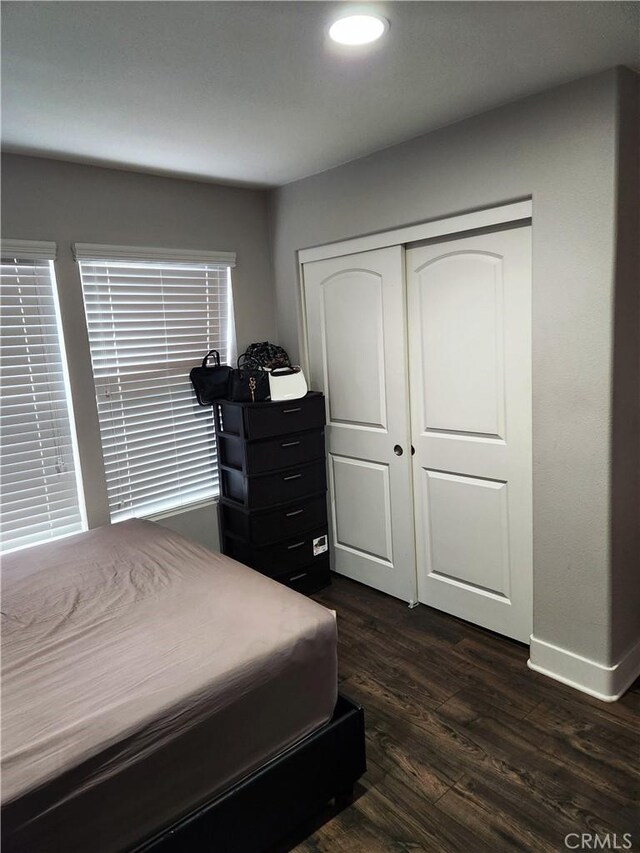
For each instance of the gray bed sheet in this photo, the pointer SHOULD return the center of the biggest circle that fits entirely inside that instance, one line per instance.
(141, 675)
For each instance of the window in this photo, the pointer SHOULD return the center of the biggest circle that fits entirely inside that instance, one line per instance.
(151, 318)
(39, 487)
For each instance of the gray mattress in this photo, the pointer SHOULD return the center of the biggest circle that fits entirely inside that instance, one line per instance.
(142, 675)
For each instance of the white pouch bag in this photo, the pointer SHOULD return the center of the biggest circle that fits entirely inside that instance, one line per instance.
(287, 383)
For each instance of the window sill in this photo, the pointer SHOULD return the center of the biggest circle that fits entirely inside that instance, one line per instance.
(178, 510)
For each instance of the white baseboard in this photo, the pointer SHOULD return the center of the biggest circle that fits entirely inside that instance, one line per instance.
(604, 682)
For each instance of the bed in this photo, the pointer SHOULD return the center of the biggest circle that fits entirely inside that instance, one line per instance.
(153, 691)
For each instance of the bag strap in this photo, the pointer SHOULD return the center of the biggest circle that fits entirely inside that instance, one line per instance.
(216, 355)
(249, 362)
(284, 371)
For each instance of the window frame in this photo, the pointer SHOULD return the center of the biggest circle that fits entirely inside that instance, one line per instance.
(93, 256)
(61, 418)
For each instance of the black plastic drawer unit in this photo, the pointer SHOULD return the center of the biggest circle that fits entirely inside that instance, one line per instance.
(265, 490)
(251, 421)
(278, 558)
(306, 577)
(261, 457)
(263, 528)
(273, 512)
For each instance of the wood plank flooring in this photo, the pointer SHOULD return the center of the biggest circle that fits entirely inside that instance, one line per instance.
(468, 750)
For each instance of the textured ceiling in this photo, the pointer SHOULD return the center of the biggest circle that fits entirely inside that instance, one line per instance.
(253, 93)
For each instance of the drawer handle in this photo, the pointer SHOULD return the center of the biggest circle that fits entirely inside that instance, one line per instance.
(290, 444)
(295, 512)
(298, 577)
(292, 477)
(289, 411)
(297, 545)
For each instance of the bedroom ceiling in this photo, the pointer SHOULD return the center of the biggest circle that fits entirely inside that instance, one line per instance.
(255, 93)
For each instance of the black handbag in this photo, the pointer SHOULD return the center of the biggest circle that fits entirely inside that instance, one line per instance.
(211, 382)
(249, 383)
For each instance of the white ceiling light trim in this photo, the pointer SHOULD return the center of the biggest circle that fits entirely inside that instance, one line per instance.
(358, 29)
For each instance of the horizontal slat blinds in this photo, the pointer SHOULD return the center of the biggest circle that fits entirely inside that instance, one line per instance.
(92, 252)
(149, 323)
(38, 474)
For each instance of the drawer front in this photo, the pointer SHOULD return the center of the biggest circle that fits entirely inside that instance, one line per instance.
(289, 520)
(308, 579)
(262, 528)
(267, 490)
(280, 559)
(286, 486)
(284, 451)
(284, 418)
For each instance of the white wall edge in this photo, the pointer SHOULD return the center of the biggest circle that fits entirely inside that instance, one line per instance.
(512, 212)
(607, 683)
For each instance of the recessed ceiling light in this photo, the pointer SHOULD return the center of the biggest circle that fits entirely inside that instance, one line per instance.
(358, 29)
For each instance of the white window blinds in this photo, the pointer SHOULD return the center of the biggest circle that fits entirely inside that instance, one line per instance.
(149, 323)
(39, 486)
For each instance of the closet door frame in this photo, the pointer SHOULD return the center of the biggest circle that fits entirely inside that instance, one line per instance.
(485, 218)
(515, 212)
(447, 226)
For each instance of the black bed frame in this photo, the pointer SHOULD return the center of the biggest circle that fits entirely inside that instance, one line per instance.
(270, 803)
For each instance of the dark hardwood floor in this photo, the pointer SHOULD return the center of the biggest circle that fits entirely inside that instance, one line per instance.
(469, 750)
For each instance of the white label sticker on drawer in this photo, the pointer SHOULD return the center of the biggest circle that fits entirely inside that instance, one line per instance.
(320, 545)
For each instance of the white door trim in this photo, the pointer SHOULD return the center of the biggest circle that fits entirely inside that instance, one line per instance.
(513, 212)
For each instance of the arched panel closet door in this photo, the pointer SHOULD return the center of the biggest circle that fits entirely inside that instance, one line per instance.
(469, 315)
(356, 327)
(469, 485)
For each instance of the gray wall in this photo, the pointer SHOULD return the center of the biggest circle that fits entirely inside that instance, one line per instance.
(67, 202)
(560, 148)
(574, 150)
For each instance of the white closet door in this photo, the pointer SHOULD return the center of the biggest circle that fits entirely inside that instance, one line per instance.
(355, 309)
(470, 374)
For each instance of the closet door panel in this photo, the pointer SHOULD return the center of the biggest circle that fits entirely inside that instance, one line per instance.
(479, 558)
(362, 507)
(460, 305)
(357, 395)
(470, 365)
(356, 330)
